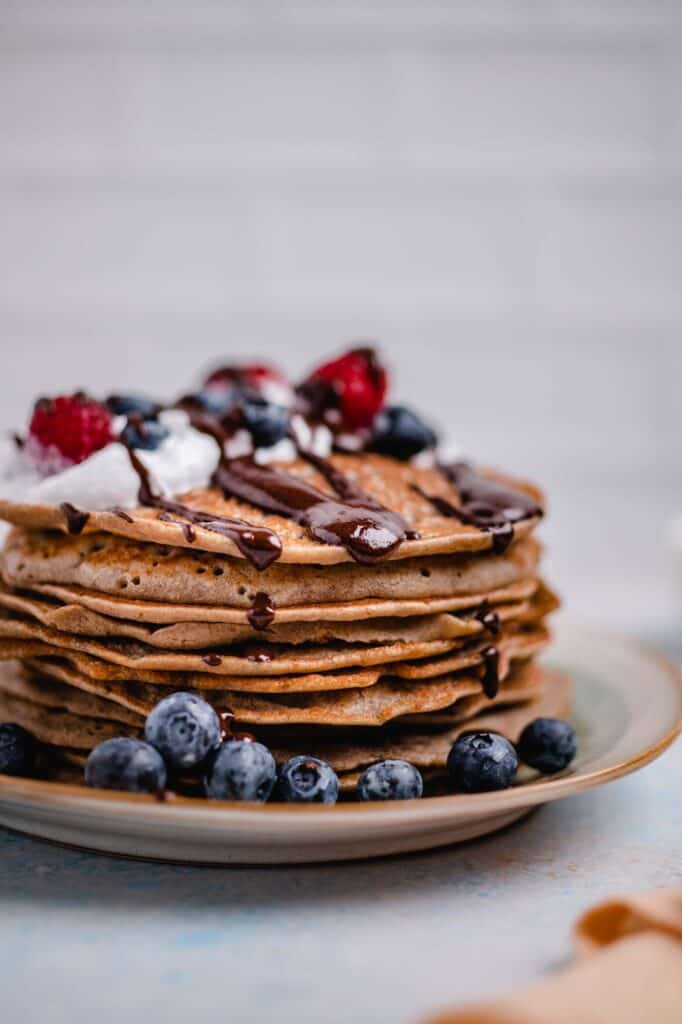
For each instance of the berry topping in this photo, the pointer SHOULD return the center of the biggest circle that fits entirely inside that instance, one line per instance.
(184, 729)
(391, 780)
(482, 761)
(307, 780)
(268, 423)
(356, 386)
(548, 744)
(216, 399)
(124, 405)
(397, 431)
(241, 770)
(129, 765)
(146, 434)
(258, 379)
(68, 429)
(17, 750)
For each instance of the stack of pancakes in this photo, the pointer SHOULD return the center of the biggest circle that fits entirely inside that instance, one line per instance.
(104, 613)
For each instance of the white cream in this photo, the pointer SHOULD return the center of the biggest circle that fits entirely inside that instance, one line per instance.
(186, 459)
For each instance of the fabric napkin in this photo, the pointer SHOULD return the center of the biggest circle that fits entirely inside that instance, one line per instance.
(628, 971)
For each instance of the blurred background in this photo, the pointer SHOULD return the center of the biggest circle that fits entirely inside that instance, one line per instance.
(491, 190)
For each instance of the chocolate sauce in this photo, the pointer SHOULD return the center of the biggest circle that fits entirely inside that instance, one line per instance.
(258, 653)
(353, 520)
(262, 611)
(122, 514)
(485, 503)
(258, 544)
(187, 528)
(491, 671)
(213, 660)
(75, 519)
(226, 731)
(488, 618)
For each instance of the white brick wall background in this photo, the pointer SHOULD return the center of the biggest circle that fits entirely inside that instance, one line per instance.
(491, 189)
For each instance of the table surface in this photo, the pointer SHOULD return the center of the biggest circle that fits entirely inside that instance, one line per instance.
(90, 938)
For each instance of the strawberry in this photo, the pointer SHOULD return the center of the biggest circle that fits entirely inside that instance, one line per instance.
(68, 429)
(358, 381)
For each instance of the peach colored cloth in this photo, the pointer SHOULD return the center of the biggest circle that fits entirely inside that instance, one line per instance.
(629, 971)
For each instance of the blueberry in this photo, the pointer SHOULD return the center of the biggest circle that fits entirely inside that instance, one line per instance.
(126, 764)
(307, 780)
(17, 750)
(184, 729)
(391, 780)
(397, 431)
(146, 434)
(216, 399)
(481, 761)
(241, 770)
(548, 744)
(124, 405)
(267, 422)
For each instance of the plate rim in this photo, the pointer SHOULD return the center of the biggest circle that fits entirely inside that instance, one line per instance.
(70, 796)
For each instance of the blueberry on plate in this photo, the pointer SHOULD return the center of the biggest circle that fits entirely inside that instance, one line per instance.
(391, 780)
(17, 750)
(268, 423)
(126, 764)
(399, 432)
(124, 405)
(184, 729)
(482, 761)
(548, 744)
(241, 770)
(307, 780)
(145, 434)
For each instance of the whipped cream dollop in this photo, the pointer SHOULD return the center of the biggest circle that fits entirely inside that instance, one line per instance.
(185, 460)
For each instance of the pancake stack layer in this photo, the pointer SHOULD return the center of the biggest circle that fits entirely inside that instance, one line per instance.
(389, 620)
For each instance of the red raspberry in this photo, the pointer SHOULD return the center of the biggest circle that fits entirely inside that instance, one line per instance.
(253, 376)
(359, 382)
(70, 427)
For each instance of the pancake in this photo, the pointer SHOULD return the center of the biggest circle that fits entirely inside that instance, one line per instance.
(159, 613)
(522, 643)
(116, 566)
(396, 485)
(75, 618)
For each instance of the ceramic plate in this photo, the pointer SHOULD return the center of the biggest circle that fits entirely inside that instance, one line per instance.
(627, 710)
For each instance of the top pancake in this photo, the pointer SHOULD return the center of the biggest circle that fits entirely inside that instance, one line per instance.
(388, 481)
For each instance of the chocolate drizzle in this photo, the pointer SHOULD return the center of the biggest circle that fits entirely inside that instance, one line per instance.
(226, 717)
(122, 514)
(488, 618)
(262, 611)
(491, 671)
(258, 544)
(485, 503)
(352, 519)
(214, 660)
(75, 518)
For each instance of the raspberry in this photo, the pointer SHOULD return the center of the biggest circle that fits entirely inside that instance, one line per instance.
(359, 383)
(68, 429)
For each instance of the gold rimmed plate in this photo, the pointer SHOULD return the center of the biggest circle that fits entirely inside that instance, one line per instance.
(627, 708)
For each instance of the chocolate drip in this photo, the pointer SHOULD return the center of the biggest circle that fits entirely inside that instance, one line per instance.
(353, 520)
(258, 653)
(491, 671)
(485, 503)
(258, 544)
(75, 519)
(187, 528)
(122, 514)
(214, 660)
(262, 611)
(488, 618)
(226, 731)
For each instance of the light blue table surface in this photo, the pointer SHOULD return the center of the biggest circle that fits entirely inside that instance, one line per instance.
(88, 938)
